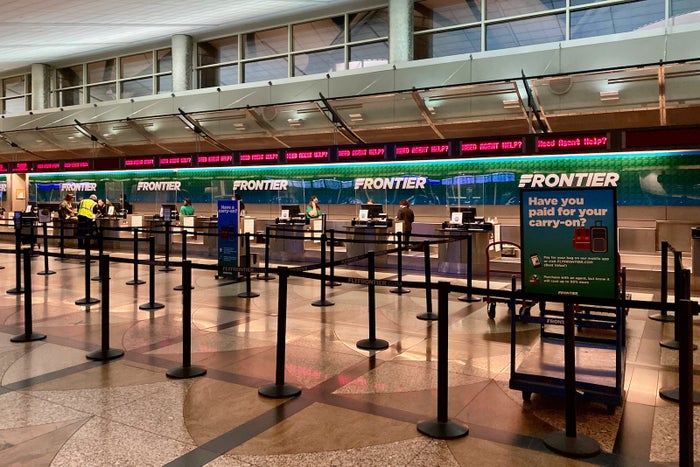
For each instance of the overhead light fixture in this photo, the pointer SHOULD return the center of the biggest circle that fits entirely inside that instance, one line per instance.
(607, 96)
(511, 104)
(239, 126)
(432, 110)
(294, 122)
(355, 117)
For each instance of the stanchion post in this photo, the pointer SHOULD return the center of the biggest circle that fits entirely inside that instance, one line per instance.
(186, 370)
(468, 297)
(267, 276)
(372, 343)
(663, 316)
(399, 267)
(567, 442)
(136, 280)
(18, 262)
(184, 256)
(105, 352)
(45, 234)
(280, 389)
(323, 301)
(167, 268)
(87, 300)
(428, 315)
(100, 252)
(441, 427)
(331, 282)
(686, 311)
(62, 239)
(681, 290)
(248, 292)
(152, 304)
(29, 335)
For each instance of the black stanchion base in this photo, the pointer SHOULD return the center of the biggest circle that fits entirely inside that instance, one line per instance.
(442, 430)
(266, 277)
(248, 295)
(673, 394)
(151, 306)
(16, 291)
(46, 272)
(35, 336)
(97, 279)
(102, 355)
(468, 298)
(166, 269)
(399, 290)
(427, 317)
(572, 446)
(673, 345)
(333, 284)
(180, 287)
(661, 317)
(372, 344)
(279, 391)
(87, 301)
(2, 267)
(184, 372)
(322, 303)
(133, 282)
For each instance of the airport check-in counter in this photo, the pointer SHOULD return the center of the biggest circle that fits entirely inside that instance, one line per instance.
(291, 247)
(453, 256)
(370, 236)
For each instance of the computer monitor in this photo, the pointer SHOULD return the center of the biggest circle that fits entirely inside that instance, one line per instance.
(468, 213)
(292, 211)
(168, 211)
(374, 211)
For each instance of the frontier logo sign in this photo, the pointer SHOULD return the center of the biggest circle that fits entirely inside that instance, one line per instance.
(158, 186)
(570, 180)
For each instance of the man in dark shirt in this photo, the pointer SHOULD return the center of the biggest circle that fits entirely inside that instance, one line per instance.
(406, 215)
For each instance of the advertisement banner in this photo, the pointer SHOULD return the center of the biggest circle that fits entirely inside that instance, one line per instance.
(228, 243)
(569, 244)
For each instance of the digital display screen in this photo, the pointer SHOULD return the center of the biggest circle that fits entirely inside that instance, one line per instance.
(140, 163)
(359, 154)
(4, 168)
(76, 165)
(106, 163)
(572, 143)
(418, 151)
(498, 146)
(19, 167)
(302, 156)
(175, 161)
(47, 166)
(253, 158)
(680, 137)
(214, 160)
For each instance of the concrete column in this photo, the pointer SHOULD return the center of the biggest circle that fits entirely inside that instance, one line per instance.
(15, 184)
(400, 31)
(41, 86)
(182, 62)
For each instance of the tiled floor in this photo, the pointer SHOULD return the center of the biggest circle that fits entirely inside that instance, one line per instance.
(356, 407)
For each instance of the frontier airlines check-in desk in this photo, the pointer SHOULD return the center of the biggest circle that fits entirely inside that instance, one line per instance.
(453, 256)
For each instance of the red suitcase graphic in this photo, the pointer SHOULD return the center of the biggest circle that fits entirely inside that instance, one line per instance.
(582, 239)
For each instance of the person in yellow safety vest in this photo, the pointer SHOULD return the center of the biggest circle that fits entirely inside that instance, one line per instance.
(86, 214)
(86, 208)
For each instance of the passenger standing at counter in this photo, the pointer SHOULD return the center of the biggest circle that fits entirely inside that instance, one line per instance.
(241, 204)
(101, 208)
(313, 210)
(187, 209)
(406, 215)
(65, 209)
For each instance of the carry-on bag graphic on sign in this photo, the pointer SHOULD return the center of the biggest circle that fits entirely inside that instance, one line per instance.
(582, 239)
(599, 238)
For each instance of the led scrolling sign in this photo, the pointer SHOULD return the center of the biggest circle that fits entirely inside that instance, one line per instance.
(530, 144)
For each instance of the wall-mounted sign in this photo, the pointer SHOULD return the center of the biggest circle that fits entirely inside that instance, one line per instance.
(140, 163)
(572, 143)
(214, 160)
(302, 156)
(259, 158)
(492, 146)
(361, 153)
(417, 151)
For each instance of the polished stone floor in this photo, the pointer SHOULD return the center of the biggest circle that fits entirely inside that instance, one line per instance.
(356, 407)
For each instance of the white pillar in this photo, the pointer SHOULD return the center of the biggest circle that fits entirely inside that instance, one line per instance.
(400, 31)
(41, 86)
(181, 45)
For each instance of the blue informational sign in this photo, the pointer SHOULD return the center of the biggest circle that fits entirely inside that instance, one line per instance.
(569, 243)
(228, 243)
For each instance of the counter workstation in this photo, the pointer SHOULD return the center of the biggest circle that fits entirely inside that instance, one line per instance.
(452, 256)
(364, 238)
(287, 241)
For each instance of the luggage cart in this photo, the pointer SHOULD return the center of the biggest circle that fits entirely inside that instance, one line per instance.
(495, 250)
